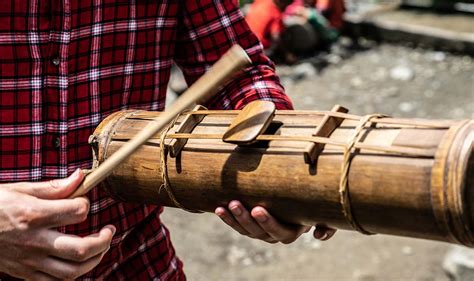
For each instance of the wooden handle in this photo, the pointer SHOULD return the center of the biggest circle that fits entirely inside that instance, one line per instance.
(208, 85)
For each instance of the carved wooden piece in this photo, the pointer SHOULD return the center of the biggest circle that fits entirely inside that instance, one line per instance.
(252, 121)
(429, 196)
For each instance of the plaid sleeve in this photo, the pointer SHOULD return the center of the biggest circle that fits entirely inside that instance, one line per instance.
(208, 28)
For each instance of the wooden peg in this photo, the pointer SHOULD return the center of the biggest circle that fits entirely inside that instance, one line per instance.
(253, 120)
(187, 125)
(325, 128)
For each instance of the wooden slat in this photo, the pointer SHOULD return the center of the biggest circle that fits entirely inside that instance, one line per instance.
(325, 128)
(412, 123)
(398, 150)
(186, 126)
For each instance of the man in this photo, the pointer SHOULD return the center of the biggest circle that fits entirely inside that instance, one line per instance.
(64, 66)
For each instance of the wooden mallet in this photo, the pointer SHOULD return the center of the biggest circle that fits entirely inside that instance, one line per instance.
(204, 88)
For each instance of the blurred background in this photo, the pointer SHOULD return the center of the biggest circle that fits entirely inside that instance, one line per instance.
(410, 58)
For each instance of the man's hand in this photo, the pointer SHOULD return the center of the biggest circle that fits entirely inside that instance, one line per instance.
(30, 246)
(259, 224)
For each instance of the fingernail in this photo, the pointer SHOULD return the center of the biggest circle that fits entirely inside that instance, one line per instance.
(114, 230)
(219, 212)
(75, 174)
(324, 237)
(61, 183)
(71, 178)
(261, 216)
(236, 210)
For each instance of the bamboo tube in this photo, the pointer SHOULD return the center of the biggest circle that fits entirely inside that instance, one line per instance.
(421, 185)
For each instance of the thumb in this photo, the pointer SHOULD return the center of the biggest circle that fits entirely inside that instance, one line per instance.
(53, 189)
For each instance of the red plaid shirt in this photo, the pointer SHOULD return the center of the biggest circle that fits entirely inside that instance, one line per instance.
(65, 65)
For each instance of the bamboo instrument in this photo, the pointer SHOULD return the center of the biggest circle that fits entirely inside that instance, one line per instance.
(373, 174)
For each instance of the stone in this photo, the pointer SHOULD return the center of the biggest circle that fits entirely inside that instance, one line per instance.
(334, 59)
(402, 73)
(357, 82)
(459, 263)
(406, 106)
(247, 261)
(389, 92)
(407, 250)
(379, 74)
(236, 255)
(458, 113)
(437, 56)
(363, 276)
(429, 93)
(303, 70)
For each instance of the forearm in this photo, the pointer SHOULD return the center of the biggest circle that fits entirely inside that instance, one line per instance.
(194, 54)
(258, 82)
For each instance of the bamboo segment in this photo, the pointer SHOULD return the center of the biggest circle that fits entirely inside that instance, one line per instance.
(409, 180)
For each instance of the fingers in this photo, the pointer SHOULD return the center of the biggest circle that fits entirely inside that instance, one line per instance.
(53, 213)
(245, 220)
(54, 255)
(30, 210)
(227, 217)
(40, 276)
(323, 233)
(54, 189)
(280, 232)
(79, 249)
(230, 219)
(259, 224)
(67, 270)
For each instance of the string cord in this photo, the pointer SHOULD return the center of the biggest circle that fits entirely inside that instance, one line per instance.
(344, 182)
(166, 185)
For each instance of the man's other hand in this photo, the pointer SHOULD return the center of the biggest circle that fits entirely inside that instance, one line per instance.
(30, 246)
(259, 224)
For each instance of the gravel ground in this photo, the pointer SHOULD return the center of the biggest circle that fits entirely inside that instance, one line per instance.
(389, 79)
(394, 80)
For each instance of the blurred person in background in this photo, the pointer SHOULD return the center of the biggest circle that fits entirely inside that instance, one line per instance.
(306, 29)
(294, 29)
(265, 19)
(333, 11)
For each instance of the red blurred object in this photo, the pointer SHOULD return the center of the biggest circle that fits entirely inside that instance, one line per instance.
(265, 20)
(294, 7)
(333, 10)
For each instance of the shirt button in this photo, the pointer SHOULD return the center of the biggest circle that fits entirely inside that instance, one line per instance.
(55, 61)
(56, 142)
